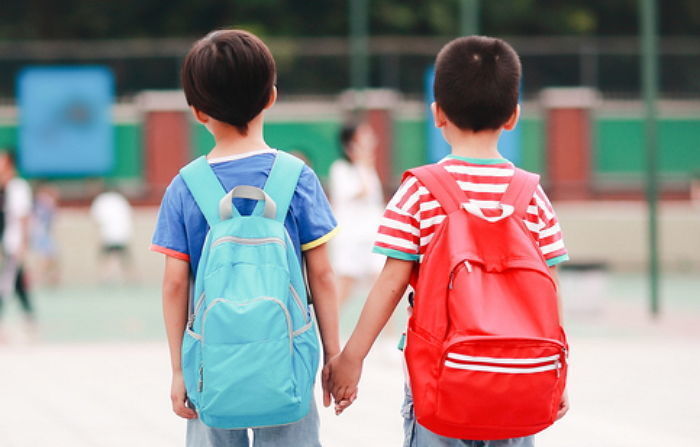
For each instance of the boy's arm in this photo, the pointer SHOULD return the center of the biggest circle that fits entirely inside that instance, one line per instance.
(176, 293)
(325, 297)
(344, 371)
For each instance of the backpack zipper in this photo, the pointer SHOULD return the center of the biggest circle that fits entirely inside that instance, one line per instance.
(200, 383)
(297, 298)
(554, 362)
(466, 265)
(248, 241)
(190, 320)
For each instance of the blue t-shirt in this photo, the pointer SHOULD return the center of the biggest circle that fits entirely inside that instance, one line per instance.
(181, 226)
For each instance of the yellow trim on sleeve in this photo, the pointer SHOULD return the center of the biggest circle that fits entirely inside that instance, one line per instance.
(320, 241)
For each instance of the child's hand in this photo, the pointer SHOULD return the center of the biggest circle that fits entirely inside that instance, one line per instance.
(341, 375)
(343, 404)
(178, 397)
(325, 377)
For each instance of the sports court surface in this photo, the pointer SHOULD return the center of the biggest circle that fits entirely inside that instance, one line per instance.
(97, 374)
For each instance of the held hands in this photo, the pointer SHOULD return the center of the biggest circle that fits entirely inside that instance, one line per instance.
(340, 378)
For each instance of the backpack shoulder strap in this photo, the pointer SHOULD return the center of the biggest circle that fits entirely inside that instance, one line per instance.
(441, 185)
(205, 188)
(520, 191)
(282, 182)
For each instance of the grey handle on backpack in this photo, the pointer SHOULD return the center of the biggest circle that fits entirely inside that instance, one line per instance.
(246, 192)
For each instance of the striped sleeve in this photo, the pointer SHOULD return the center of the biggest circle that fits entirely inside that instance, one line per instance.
(399, 230)
(549, 235)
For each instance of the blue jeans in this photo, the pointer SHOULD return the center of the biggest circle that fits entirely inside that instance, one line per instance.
(303, 433)
(415, 435)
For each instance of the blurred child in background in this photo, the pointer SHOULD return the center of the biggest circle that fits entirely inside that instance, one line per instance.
(112, 212)
(16, 213)
(43, 243)
(358, 202)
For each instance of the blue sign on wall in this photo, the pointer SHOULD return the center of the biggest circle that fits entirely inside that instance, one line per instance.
(65, 126)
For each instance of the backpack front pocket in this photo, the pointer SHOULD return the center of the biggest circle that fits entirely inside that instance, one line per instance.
(493, 382)
(248, 371)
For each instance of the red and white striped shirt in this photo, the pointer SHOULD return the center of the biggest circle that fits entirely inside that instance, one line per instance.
(413, 214)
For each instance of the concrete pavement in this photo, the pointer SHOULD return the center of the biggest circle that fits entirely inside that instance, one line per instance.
(625, 392)
(633, 381)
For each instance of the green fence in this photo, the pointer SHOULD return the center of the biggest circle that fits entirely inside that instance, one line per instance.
(618, 145)
(619, 148)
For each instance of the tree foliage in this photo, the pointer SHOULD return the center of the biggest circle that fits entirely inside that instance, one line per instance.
(108, 19)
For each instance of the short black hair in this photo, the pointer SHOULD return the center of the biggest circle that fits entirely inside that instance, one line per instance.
(346, 135)
(229, 75)
(477, 81)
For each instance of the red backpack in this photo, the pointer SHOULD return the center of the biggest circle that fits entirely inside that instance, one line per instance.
(486, 352)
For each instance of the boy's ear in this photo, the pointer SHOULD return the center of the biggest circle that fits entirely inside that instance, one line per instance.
(439, 117)
(200, 116)
(513, 120)
(273, 97)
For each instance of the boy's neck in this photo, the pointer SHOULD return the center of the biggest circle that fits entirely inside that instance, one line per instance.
(470, 144)
(229, 141)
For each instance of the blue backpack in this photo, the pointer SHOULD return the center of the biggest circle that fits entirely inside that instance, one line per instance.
(250, 349)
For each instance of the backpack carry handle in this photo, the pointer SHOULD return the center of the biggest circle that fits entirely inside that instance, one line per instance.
(476, 210)
(520, 191)
(228, 210)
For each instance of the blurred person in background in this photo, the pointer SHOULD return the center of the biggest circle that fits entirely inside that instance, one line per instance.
(43, 243)
(695, 189)
(16, 205)
(358, 202)
(112, 213)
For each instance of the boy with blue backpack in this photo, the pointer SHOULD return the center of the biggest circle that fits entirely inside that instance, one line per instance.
(478, 241)
(242, 222)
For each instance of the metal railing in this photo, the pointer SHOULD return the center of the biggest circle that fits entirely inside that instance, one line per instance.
(321, 65)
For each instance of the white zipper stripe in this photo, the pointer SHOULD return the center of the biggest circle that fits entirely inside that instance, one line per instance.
(297, 299)
(192, 334)
(248, 241)
(197, 306)
(502, 369)
(303, 329)
(503, 361)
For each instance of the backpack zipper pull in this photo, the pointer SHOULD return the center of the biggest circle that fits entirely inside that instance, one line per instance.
(200, 384)
(467, 265)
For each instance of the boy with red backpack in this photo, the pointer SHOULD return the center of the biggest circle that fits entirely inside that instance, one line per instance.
(478, 241)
